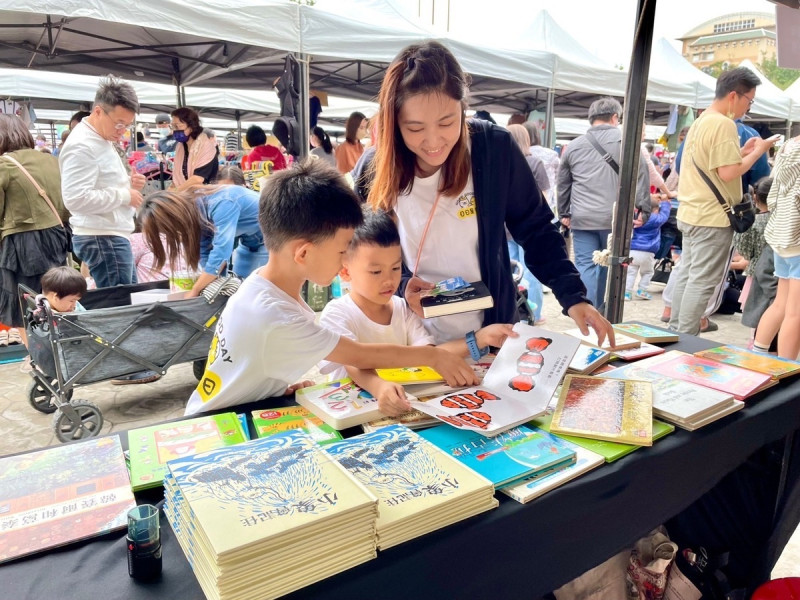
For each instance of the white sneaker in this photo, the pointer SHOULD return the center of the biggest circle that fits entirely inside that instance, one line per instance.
(3, 338)
(14, 337)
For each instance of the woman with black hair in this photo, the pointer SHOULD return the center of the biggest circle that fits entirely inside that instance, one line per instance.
(196, 156)
(322, 147)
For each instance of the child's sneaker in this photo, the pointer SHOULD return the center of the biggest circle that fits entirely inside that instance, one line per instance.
(643, 295)
(628, 296)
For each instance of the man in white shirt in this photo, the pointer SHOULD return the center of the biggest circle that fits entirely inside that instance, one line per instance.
(97, 188)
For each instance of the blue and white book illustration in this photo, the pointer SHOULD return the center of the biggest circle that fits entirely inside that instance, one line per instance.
(587, 359)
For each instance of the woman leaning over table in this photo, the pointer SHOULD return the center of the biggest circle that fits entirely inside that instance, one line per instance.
(196, 155)
(454, 186)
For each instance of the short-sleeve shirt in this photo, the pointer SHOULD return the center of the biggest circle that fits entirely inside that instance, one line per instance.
(265, 341)
(345, 318)
(712, 142)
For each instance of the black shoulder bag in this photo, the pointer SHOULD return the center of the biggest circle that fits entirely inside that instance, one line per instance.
(742, 216)
(606, 156)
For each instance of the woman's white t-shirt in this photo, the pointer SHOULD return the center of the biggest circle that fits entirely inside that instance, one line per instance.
(450, 248)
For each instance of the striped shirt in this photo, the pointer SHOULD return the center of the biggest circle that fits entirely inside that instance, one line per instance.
(783, 230)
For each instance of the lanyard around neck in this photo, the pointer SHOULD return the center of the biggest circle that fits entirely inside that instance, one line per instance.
(425, 231)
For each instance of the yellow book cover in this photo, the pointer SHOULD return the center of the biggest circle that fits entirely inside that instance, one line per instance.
(769, 364)
(605, 409)
(409, 375)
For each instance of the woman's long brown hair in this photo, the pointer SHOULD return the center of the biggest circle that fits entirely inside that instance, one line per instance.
(419, 69)
(177, 217)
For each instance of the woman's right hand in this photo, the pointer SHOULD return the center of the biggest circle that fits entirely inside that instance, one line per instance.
(413, 288)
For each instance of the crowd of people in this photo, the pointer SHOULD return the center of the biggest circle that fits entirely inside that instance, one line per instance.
(433, 195)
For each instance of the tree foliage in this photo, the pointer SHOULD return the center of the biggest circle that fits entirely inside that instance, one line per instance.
(780, 76)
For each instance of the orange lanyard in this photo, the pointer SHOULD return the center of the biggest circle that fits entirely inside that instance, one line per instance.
(425, 231)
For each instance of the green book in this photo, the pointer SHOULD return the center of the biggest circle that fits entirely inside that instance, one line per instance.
(270, 421)
(610, 451)
(149, 448)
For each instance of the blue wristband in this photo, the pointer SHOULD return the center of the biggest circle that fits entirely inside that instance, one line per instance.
(472, 344)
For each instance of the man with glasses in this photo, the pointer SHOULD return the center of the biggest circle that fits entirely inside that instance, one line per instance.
(712, 147)
(97, 188)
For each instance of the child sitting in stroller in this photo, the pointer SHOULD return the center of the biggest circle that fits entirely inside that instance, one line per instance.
(64, 287)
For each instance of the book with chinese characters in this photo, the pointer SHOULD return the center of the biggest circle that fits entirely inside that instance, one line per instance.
(286, 418)
(605, 409)
(149, 448)
(475, 296)
(772, 365)
(507, 457)
(623, 342)
(62, 494)
(740, 383)
(645, 333)
(517, 387)
(587, 359)
(420, 488)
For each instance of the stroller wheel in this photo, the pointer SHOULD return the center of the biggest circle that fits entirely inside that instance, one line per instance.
(41, 398)
(90, 422)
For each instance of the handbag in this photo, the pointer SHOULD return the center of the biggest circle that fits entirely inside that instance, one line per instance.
(742, 216)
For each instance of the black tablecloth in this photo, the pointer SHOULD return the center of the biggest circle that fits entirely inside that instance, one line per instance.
(519, 550)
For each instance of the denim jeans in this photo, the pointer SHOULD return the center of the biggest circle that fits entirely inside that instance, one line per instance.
(584, 243)
(535, 292)
(109, 258)
(246, 260)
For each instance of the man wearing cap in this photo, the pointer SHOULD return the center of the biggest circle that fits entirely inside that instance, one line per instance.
(588, 182)
(166, 141)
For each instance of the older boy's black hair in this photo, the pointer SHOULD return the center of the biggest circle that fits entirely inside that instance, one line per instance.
(308, 201)
(64, 281)
(378, 229)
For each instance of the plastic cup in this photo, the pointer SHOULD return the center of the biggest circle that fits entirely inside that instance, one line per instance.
(144, 526)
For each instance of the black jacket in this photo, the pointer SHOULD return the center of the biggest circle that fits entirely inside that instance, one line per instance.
(506, 195)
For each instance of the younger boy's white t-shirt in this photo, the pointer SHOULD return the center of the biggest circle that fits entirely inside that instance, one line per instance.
(344, 317)
(265, 341)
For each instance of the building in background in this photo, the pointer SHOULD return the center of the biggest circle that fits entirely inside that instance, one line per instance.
(728, 40)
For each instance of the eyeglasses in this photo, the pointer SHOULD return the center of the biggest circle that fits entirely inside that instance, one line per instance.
(118, 126)
(749, 99)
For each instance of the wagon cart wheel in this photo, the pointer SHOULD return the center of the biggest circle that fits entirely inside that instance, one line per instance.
(88, 424)
(41, 398)
(198, 368)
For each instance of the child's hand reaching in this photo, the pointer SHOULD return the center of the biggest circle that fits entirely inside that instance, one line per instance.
(392, 400)
(494, 335)
(296, 386)
(452, 367)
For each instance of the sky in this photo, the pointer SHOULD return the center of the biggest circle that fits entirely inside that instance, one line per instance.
(604, 28)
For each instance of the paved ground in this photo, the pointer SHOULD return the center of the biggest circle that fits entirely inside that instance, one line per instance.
(126, 407)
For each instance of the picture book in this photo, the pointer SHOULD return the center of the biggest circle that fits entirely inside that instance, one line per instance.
(62, 494)
(736, 381)
(531, 488)
(623, 342)
(610, 451)
(587, 359)
(480, 368)
(645, 333)
(509, 456)
(340, 404)
(413, 419)
(149, 448)
(270, 421)
(772, 365)
(475, 296)
(517, 387)
(605, 409)
(644, 351)
(410, 375)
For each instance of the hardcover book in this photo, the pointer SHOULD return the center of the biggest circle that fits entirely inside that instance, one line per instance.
(507, 457)
(772, 365)
(149, 448)
(587, 359)
(605, 409)
(623, 342)
(740, 383)
(410, 375)
(645, 333)
(475, 296)
(62, 494)
(644, 351)
(276, 420)
(517, 387)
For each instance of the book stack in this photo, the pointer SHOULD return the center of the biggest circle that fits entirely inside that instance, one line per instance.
(257, 520)
(645, 333)
(420, 487)
(774, 366)
(623, 342)
(522, 452)
(587, 359)
(149, 448)
(414, 419)
(270, 421)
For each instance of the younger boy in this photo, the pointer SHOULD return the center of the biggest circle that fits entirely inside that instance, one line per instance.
(645, 242)
(266, 337)
(373, 313)
(63, 287)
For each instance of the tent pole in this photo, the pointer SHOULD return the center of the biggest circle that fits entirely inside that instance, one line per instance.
(788, 129)
(238, 130)
(550, 134)
(303, 117)
(635, 96)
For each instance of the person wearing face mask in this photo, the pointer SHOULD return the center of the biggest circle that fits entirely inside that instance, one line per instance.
(196, 155)
(166, 141)
(711, 147)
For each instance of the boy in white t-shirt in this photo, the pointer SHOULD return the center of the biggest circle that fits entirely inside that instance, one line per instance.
(266, 337)
(373, 313)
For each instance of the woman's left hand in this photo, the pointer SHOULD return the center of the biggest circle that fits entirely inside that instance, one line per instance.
(585, 315)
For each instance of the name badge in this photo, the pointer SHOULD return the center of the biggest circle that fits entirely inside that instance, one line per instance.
(465, 206)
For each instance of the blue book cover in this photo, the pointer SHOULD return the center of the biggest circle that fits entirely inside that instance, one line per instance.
(503, 459)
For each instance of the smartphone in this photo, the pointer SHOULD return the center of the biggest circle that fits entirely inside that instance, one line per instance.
(774, 138)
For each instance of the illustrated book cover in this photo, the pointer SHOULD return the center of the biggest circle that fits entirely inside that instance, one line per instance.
(507, 457)
(623, 342)
(149, 448)
(517, 387)
(410, 375)
(62, 494)
(587, 359)
(644, 351)
(270, 421)
(475, 296)
(772, 365)
(645, 333)
(605, 409)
